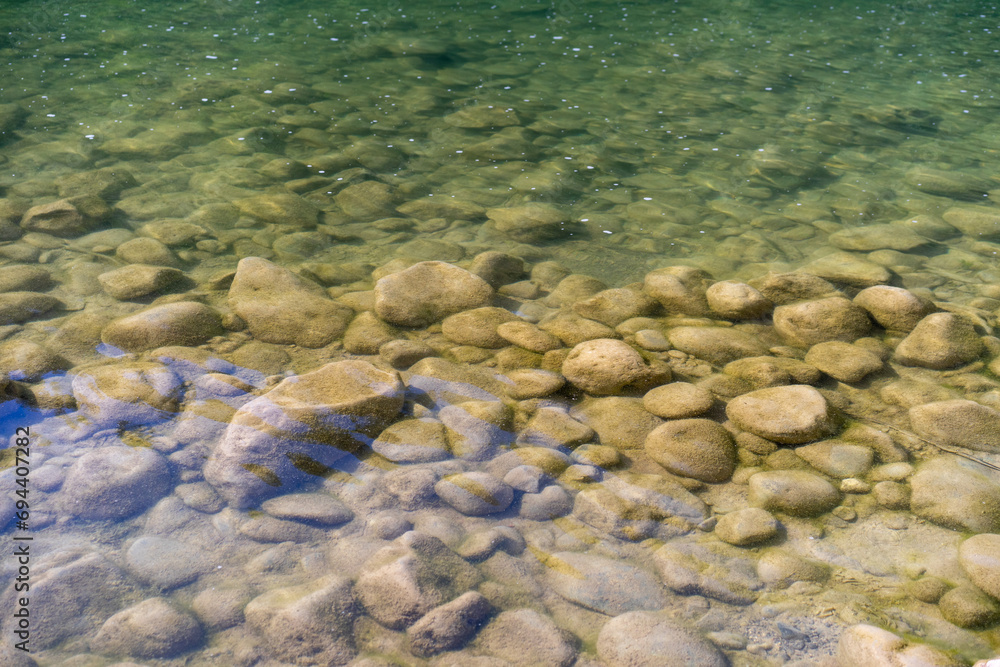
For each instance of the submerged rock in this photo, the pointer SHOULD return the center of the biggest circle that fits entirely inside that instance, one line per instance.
(127, 394)
(165, 563)
(280, 307)
(186, 323)
(282, 209)
(427, 292)
(604, 585)
(810, 322)
(449, 626)
(790, 415)
(531, 223)
(154, 628)
(526, 637)
(980, 558)
(747, 526)
(737, 301)
(310, 508)
(634, 507)
(718, 345)
(868, 645)
(138, 280)
(713, 570)
(405, 580)
(475, 493)
(646, 639)
(698, 448)
(894, 308)
(67, 217)
(18, 307)
(940, 341)
(311, 623)
(794, 492)
(678, 400)
(843, 361)
(679, 289)
(300, 428)
(604, 366)
(958, 423)
(114, 483)
(72, 592)
(957, 494)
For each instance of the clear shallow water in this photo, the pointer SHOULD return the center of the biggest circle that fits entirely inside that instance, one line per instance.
(734, 137)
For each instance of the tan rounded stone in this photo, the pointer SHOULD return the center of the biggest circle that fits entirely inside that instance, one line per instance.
(793, 492)
(678, 400)
(737, 301)
(980, 558)
(894, 308)
(746, 527)
(697, 448)
(604, 366)
(427, 292)
(791, 415)
(810, 322)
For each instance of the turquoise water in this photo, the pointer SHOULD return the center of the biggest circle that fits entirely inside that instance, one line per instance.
(343, 143)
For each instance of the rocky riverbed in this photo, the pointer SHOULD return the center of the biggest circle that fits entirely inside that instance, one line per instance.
(379, 338)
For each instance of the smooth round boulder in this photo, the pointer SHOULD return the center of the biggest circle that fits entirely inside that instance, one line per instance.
(696, 448)
(477, 327)
(529, 336)
(413, 441)
(144, 250)
(475, 493)
(604, 366)
(18, 307)
(958, 423)
(154, 628)
(810, 322)
(747, 527)
(24, 278)
(790, 415)
(648, 639)
(301, 427)
(280, 208)
(679, 289)
(843, 361)
(737, 301)
(894, 308)
(678, 400)
(838, 459)
(940, 341)
(67, 217)
(794, 492)
(717, 345)
(614, 306)
(114, 483)
(956, 493)
(869, 646)
(531, 223)
(186, 323)
(28, 362)
(165, 563)
(980, 558)
(138, 280)
(314, 508)
(427, 292)
(449, 626)
(968, 607)
(127, 394)
(283, 308)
